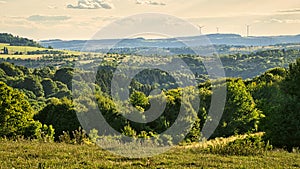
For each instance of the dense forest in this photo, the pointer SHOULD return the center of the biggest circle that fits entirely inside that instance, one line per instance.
(17, 41)
(38, 103)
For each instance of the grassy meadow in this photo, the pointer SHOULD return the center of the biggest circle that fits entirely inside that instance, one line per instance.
(34, 154)
(24, 49)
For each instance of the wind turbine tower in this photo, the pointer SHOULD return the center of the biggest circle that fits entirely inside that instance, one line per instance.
(218, 30)
(200, 29)
(248, 30)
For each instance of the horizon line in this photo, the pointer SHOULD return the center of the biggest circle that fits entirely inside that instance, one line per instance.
(159, 38)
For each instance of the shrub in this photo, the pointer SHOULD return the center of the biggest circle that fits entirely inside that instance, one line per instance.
(93, 135)
(60, 114)
(165, 140)
(40, 132)
(10, 69)
(49, 86)
(139, 99)
(78, 136)
(32, 84)
(248, 146)
(128, 131)
(65, 137)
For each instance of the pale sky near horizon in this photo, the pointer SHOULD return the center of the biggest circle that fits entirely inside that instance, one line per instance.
(81, 19)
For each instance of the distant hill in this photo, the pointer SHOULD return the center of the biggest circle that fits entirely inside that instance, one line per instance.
(17, 41)
(195, 41)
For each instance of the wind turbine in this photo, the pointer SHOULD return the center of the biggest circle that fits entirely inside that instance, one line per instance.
(218, 29)
(200, 29)
(248, 30)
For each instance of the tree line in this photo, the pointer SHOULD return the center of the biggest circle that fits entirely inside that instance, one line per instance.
(17, 41)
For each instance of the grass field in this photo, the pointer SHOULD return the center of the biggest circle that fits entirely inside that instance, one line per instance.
(20, 56)
(20, 48)
(24, 49)
(28, 154)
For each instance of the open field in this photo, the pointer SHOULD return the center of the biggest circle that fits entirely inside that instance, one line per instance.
(20, 48)
(24, 49)
(20, 56)
(27, 154)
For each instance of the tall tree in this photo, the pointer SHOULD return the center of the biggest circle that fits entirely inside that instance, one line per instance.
(16, 115)
(240, 113)
(283, 127)
(5, 50)
(61, 114)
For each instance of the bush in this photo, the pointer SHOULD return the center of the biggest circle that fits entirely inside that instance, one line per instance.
(165, 140)
(139, 99)
(65, 138)
(40, 132)
(64, 75)
(60, 114)
(248, 146)
(78, 136)
(49, 86)
(128, 131)
(93, 135)
(10, 69)
(32, 84)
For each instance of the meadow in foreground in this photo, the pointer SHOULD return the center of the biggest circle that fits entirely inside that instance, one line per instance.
(34, 154)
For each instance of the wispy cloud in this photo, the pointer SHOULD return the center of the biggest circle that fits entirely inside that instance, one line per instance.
(270, 20)
(92, 4)
(279, 21)
(40, 18)
(282, 18)
(149, 2)
(52, 7)
(109, 18)
(290, 10)
(2, 2)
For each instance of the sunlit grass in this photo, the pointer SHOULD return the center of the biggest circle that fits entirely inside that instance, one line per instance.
(218, 141)
(24, 49)
(33, 154)
(20, 56)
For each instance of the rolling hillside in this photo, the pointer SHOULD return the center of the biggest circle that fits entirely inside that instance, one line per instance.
(17, 41)
(180, 42)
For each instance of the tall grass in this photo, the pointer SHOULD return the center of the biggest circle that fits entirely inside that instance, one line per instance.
(34, 154)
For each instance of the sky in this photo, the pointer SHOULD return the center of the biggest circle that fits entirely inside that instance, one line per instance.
(81, 19)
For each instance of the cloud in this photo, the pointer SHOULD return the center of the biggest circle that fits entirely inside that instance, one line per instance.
(92, 4)
(108, 18)
(52, 7)
(40, 18)
(149, 2)
(274, 20)
(291, 11)
(3, 2)
(293, 21)
(279, 21)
